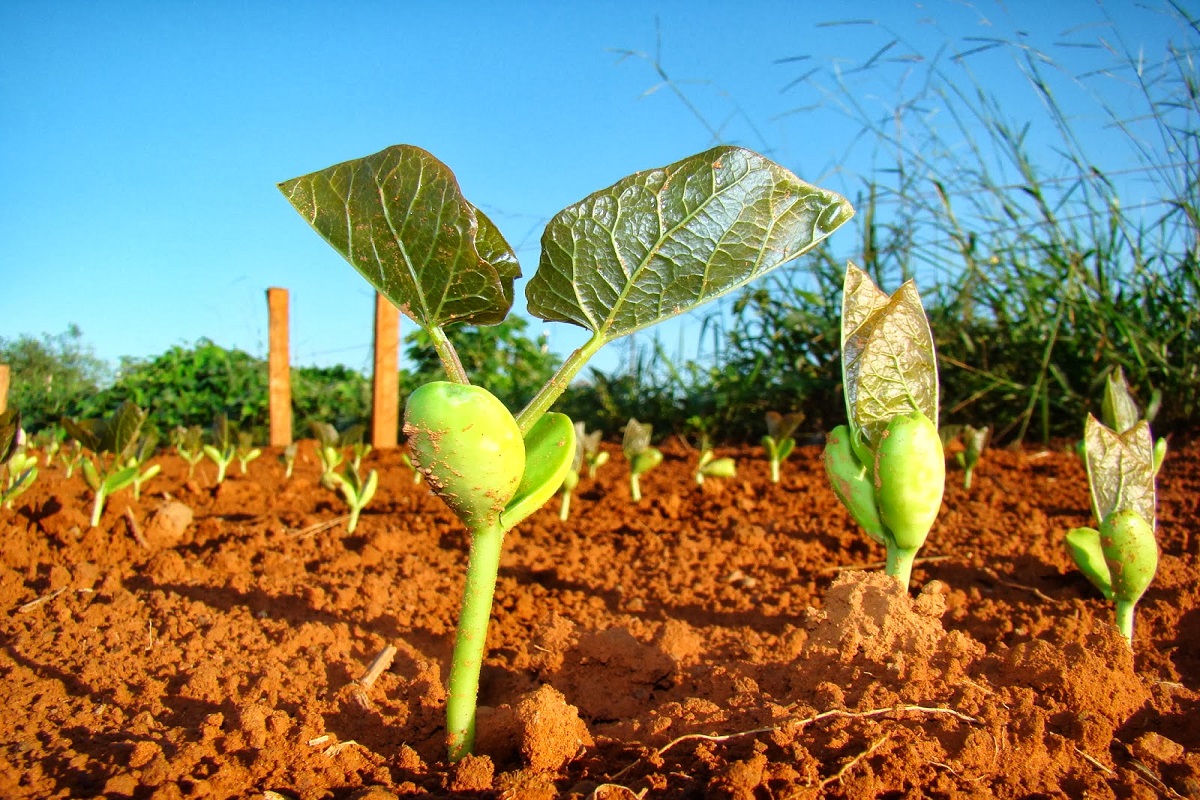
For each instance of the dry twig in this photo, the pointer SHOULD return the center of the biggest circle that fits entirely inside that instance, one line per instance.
(135, 529)
(311, 530)
(991, 573)
(841, 773)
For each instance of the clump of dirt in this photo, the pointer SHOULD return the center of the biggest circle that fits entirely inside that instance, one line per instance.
(730, 640)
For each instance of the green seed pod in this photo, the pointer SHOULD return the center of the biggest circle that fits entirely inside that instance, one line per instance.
(910, 476)
(850, 483)
(1084, 546)
(468, 446)
(646, 460)
(721, 468)
(1131, 553)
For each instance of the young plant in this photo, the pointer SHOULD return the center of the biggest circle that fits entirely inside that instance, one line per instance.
(887, 465)
(593, 456)
(1119, 411)
(974, 440)
(1120, 558)
(288, 459)
(71, 454)
(352, 437)
(356, 491)
(246, 451)
(142, 453)
(655, 244)
(641, 456)
(189, 443)
(329, 452)
(113, 442)
(19, 468)
(779, 442)
(407, 461)
(49, 441)
(223, 449)
(572, 478)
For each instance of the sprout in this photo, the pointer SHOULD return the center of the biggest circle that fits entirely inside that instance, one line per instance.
(779, 442)
(887, 465)
(288, 459)
(189, 443)
(19, 468)
(141, 454)
(593, 456)
(246, 451)
(641, 456)
(974, 441)
(1120, 558)
(356, 491)
(113, 442)
(223, 449)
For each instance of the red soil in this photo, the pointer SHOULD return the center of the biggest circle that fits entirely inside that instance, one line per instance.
(224, 657)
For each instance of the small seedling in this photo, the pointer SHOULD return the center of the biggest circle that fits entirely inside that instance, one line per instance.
(572, 477)
(113, 442)
(356, 491)
(641, 456)
(246, 451)
(49, 441)
(779, 442)
(329, 451)
(593, 456)
(352, 437)
(141, 454)
(189, 443)
(71, 455)
(1120, 558)
(223, 449)
(20, 468)
(655, 244)
(974, 440)
(887, 465)
(288, 459)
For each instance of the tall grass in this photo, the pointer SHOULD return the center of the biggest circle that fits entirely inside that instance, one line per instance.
(1049, 249)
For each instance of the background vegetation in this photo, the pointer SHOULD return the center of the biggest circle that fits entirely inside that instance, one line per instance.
(1041, 266)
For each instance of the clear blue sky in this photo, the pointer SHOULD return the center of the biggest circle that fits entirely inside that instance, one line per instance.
(140, 142)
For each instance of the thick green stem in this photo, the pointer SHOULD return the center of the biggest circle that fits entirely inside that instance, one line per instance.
(558, 384)
(564, 511)
(635, 487)
(774, 470)
(448, 356)
(353, 521)
(1125, 619)
(469, 644)
(967, 474)
(900, 564)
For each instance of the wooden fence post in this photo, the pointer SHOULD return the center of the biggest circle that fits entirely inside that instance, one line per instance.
(4, 378)
(385, 382)
(279, 382)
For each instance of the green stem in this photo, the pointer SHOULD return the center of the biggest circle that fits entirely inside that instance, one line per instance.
(98, 506)
(353, 522)
(635, 487)
(967, 474)
(1125, 619)
(900, 564)
(774, 470)
(447, 355)
(558, 384)
(471, 639)
(564, 512)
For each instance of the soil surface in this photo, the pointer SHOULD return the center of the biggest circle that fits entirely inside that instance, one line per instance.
(735, 639)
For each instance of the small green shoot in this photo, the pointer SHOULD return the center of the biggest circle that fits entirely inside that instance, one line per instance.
(288, 459)
(887, 465)
(1120, 558)
(71, 455)
(593, 456)
(356, 491)
(246, 451)
(571, 480)
(641, 456)
(353, 437)
(19, 468)
(113, 441)
(49, 441)
(223, 449)
(189, 444)
(1119, 411)
(141, 454)
(778, 442)
(656, 244)
(974, 441)
(329, 451)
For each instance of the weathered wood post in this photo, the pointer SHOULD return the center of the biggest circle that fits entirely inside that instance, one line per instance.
(4, 378)
(279, 382)
(385, 382)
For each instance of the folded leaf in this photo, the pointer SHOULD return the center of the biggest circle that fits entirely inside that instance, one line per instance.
(549, 453)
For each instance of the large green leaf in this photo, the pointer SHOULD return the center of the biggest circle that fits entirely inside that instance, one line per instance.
(1120, 469)
(400, 218)
(888, 362)
(660, 242)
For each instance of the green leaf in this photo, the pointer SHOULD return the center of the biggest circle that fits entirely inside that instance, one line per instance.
(1120, 469)
(549, 451)
(636, 439)
(888, 361)
(400, 219)
(1084, 546)
(84, 431)
(120, 431)
(1118, 409)
(660, 242)
(120, 479)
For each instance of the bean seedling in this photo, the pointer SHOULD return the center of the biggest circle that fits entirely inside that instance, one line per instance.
(246, 451)
(112, 440)
(223, 449)
(593, 456)
(356, 491)
(642, 457)
(572, 477)
(887, 465)
(1120, 558)
(138, 458)
(655, 244)
(974, 441)
(779, 442)
(287, 457)
(20, 469)
(189, 443)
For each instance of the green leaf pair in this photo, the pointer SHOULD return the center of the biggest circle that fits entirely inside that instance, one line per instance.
(887, 465)
(470, 449)
(642, 457)
(778, 442)
(1121, 558)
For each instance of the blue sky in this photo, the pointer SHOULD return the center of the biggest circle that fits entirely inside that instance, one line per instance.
(141, 142)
